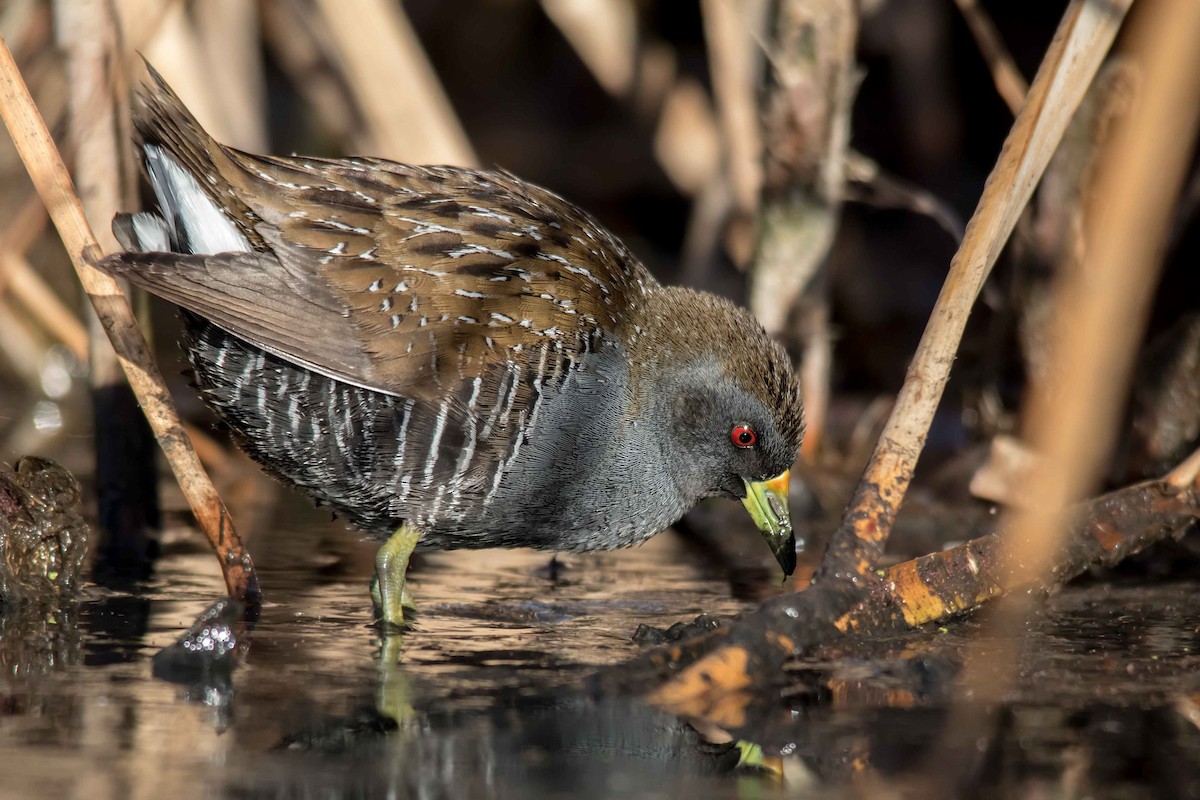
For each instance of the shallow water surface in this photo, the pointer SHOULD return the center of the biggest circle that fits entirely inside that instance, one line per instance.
(483, 697)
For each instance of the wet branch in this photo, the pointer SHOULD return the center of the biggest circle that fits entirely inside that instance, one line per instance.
(1103, 532)
(53, 183)
(703, 677)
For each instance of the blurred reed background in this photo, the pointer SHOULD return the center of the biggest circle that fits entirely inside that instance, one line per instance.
(813, 159)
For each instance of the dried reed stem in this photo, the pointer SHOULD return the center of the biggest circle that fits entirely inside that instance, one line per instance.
(1071, 418)
(1079, 46)
(53, 183)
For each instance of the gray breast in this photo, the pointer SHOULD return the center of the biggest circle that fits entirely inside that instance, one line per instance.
(589, 477)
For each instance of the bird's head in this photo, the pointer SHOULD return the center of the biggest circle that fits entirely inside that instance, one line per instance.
(733, 407)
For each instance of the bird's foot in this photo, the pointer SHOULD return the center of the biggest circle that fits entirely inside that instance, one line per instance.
(400, 618)
(389, 589)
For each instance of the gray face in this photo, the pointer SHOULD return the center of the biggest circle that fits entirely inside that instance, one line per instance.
(722, 434)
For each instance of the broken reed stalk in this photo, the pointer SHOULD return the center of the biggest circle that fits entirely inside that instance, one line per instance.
(1072, 416)
(1080, 44)
(53, 182)
(805, 108)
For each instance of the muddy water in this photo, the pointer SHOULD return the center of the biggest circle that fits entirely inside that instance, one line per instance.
(482, 698)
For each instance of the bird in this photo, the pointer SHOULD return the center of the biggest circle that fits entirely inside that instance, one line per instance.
(452, 357)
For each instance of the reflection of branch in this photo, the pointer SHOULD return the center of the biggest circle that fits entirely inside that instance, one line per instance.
(1010, 84)
(53, 183)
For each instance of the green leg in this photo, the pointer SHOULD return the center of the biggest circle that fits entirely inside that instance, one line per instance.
(389, 589)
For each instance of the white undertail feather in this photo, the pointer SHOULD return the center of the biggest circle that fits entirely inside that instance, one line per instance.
(152, 232)
(185, 204)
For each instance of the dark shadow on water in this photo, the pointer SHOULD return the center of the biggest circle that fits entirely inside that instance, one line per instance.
(115, 628)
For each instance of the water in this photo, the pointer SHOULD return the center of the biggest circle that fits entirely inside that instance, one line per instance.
(486, 695)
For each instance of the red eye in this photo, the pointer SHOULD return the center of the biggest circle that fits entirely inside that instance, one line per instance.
(743, 436)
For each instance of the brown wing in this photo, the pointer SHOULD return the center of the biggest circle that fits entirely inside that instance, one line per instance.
(442, 273)
(392, 277)
(473, 293)
(470, 293)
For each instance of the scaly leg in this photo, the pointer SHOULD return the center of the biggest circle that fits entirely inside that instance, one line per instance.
(389, 589)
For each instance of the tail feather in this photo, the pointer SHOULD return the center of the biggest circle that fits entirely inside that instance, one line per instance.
(143, 232)
(160, 119)
(190, 173)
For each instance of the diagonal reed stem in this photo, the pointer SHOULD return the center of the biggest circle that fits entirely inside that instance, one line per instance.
(53, 183)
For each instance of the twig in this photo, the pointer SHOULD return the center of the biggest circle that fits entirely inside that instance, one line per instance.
(1079, 46)
(53, 183)
(1010, 84)
(871, 184)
